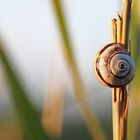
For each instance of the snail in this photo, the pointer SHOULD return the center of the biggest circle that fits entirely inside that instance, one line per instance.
(114, 66)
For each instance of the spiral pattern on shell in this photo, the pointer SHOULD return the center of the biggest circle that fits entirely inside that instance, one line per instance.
(113, 66)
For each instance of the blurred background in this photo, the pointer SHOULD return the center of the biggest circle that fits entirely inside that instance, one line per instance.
(48, 89)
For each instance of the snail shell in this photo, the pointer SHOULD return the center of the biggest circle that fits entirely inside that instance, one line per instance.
(113, 66)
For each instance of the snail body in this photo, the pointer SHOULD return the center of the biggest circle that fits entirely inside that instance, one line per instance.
(113, 66)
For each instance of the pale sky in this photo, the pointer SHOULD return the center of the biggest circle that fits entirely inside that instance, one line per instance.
(30, 29)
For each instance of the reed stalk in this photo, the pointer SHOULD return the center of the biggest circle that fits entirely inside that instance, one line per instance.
(120, 95)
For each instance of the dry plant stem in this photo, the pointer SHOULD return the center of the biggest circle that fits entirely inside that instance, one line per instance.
(114, 30)
(119, 95)
(126, 17)
(119, 29)
(119, 111)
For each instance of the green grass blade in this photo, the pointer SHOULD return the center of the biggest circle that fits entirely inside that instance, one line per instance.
(135, 95)
(79, 91)
(26, 112)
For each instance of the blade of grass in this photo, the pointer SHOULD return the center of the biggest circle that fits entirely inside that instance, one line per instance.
(135, 96)
(27, 113)
(79, 91)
